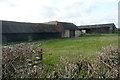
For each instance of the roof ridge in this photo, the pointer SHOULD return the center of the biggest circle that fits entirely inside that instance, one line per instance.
(97, 24)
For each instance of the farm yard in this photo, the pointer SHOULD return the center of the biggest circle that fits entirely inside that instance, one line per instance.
(61, 58)
(60, 39)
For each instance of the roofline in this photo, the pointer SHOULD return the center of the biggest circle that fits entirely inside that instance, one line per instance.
(65, 22)
(97, 24)
(59, 22)
(54, 24)
(15, 21)
(24, 22)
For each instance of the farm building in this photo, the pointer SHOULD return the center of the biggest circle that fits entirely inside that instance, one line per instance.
(20, 31)
(98, 29)
(67, 29)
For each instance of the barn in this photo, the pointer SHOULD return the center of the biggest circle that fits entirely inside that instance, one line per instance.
(21, 31)
(67, 30)
(98, 28)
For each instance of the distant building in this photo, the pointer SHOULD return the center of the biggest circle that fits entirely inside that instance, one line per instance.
(67, 29)
(20, 31)
(98, 28)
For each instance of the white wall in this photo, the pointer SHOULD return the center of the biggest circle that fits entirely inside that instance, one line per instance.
(83, 31)
(67, 34)
(77, 33)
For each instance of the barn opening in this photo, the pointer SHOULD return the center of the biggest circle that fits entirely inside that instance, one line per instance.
(72, 33)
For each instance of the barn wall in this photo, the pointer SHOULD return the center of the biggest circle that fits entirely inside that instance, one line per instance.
(101, 30)
(77, 33)
(111, 30)
(104, 30)
(8, 38)
(67, 34)
(4, 39)
(60, 28)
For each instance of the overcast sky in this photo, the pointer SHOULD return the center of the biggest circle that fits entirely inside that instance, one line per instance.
(79, 12)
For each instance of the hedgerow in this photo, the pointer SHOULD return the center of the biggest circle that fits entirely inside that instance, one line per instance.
(25, 61)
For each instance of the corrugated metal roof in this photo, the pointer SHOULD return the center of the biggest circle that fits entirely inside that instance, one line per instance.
(20, 27)
(70, 26)
(52, 22)
(65, 25)
(97, 26)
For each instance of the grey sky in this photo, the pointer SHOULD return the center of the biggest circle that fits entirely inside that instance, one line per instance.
(80, 12)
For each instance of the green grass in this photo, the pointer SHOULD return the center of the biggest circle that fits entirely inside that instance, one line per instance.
(98, 35)
(72, 47)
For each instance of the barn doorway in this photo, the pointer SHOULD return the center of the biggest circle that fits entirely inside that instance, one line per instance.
(72, 33)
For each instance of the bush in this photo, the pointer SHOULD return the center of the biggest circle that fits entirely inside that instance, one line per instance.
(19, 61)
(106, 66)
(14, 60)
(108, 63)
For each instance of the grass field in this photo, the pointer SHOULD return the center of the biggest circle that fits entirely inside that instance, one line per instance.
(72, 47)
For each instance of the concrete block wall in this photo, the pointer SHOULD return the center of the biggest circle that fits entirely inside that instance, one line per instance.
(77, 33)
(67, 34)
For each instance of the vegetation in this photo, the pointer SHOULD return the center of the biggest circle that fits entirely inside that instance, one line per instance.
(99, 35)
(86, 46)
(106, 66)
(18, 60)
(91, 56)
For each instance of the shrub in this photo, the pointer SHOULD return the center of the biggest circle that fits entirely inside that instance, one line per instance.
(20, 61)
(14, 60)
(106, 66)
(78, 67)
(109, 63)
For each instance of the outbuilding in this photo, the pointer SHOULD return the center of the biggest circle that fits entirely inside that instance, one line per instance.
(67, 29)
(98, 28)
(21, 31)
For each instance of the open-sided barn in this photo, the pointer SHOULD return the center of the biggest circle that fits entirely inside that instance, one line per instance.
(67, 29)
(20, 31)
(98, 28)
